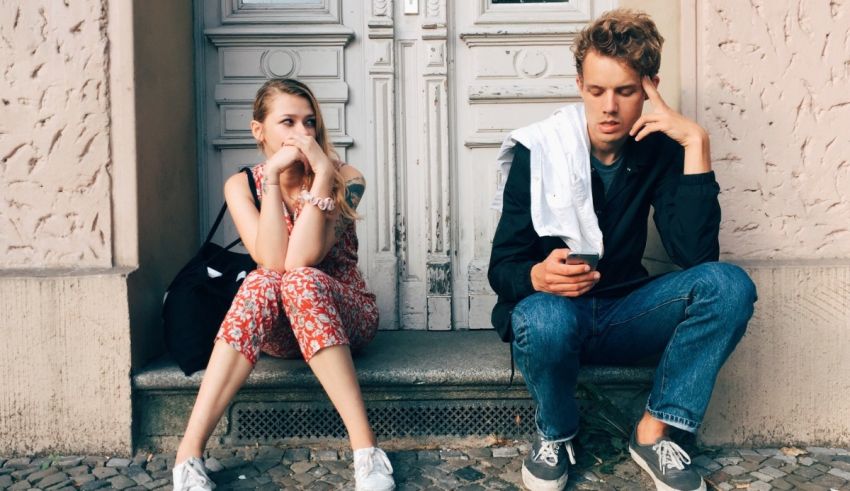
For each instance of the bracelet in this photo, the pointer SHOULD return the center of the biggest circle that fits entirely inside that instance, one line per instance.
(324, 204)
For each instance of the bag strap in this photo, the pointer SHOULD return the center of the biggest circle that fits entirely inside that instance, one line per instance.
(253, 186)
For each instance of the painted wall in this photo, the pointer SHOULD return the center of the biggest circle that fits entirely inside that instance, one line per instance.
(98, 210)
(769, 81)
(166, 169)
(54, 135)
(772, 89)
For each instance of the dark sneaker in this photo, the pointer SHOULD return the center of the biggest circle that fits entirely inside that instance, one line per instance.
(667, 464)
(545, 467)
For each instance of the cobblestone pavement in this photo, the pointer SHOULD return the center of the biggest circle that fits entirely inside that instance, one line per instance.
(497, 467)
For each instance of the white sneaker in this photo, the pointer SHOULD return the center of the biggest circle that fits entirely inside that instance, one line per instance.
(372, 470)
(191, 476)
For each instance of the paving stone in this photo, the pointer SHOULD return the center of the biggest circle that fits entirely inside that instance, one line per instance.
(428, 456)
(762, 477)
(506, 452)
(157, 483)
(69, 461)
(19, 486)
(122, 482)
(734, 470)
(807, 472)
(264, 464)
(724, 461)
(297, 454)
(95, 461)
(141, 478)
(52, 480)
(5, 481)
(23, 473)
(781, 484)
(82, 479)
(768, 452)
(706, 463)
(829, 481)
(18, 463)
(469, 474)
(448, 454)
(327, 455)
(103, 472)
(115, 462)
(96, 484)
(477, 453)
(36, 477)
(840, 473)
(302, 467)
(759, 486)
(772, 472)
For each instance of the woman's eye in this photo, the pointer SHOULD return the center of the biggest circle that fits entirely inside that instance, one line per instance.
(287, 122)
(310, 122)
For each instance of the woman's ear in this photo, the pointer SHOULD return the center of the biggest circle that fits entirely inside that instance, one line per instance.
(257, 131)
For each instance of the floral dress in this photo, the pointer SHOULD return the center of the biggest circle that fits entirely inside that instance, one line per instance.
(305, 309)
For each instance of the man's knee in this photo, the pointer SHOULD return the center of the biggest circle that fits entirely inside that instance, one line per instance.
(734, 291)
(547, 326)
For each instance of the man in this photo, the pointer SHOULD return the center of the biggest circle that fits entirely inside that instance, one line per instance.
(558, 315)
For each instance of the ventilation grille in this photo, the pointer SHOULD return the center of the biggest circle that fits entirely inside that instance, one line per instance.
(266, 422)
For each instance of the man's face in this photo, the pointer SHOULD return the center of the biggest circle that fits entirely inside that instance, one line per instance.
(613, 99)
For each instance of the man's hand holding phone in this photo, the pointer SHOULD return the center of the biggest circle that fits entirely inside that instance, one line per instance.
(562, 275)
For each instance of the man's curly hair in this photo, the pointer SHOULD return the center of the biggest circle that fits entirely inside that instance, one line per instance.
(623, 34)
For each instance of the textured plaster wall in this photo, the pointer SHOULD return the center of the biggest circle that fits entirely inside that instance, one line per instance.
(772, 90)
(54, 135)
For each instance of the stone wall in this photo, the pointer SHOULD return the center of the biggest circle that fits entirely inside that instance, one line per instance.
(772, 89)
(54, 135)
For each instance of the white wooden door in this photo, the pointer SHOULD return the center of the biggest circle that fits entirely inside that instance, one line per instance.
(513, 66)
(418, 94)
(240, 44)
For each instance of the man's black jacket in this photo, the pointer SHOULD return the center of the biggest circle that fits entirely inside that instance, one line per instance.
(687, 216)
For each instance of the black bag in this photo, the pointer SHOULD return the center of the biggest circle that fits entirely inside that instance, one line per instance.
(200, 295)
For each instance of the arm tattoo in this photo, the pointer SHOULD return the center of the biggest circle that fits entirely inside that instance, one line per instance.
(354, 188)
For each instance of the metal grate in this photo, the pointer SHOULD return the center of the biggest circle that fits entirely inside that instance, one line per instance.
(265, 422)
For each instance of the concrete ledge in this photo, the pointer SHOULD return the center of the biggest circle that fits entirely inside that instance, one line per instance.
(398, 358)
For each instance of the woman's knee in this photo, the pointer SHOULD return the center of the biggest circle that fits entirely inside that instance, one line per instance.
(547, 325)
(302, 278)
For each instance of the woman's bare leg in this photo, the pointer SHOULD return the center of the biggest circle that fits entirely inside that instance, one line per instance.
(335, 370)
(225, 374)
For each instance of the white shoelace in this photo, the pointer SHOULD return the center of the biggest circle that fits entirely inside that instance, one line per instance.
(549, 452)
(670, 456)
(368, 462)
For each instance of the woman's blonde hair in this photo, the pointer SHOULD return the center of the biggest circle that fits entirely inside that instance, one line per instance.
(290, 86)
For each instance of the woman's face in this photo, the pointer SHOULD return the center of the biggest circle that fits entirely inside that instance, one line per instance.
(287, 115)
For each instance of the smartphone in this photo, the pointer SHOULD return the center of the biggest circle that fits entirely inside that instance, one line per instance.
(578, 258)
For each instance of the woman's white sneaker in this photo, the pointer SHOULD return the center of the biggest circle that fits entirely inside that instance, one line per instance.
(372, 470)
(190, 475)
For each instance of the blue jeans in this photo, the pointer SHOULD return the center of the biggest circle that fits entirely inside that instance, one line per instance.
(688, 321)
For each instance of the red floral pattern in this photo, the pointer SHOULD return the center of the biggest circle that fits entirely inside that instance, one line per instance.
(324, 306)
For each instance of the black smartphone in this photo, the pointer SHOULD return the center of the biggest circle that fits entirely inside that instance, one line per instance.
(578, 258)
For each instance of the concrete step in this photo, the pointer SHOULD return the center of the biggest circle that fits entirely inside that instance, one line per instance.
(415, 384)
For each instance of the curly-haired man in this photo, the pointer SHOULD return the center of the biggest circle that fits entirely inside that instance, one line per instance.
(562, 311)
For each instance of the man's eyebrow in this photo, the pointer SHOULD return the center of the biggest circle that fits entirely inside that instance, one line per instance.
(627, 86)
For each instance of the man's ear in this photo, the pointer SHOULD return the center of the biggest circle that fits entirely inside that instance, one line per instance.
(655, 81)
(579, 83)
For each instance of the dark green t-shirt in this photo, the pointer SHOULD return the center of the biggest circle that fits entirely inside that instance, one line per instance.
(608, 173)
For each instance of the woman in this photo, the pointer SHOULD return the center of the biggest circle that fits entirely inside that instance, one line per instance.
(306, 297)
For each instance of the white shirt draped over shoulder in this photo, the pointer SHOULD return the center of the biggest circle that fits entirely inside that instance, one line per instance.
(561, 194)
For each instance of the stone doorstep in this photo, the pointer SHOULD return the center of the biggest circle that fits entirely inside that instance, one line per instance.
(398, 358)
(433, 367)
